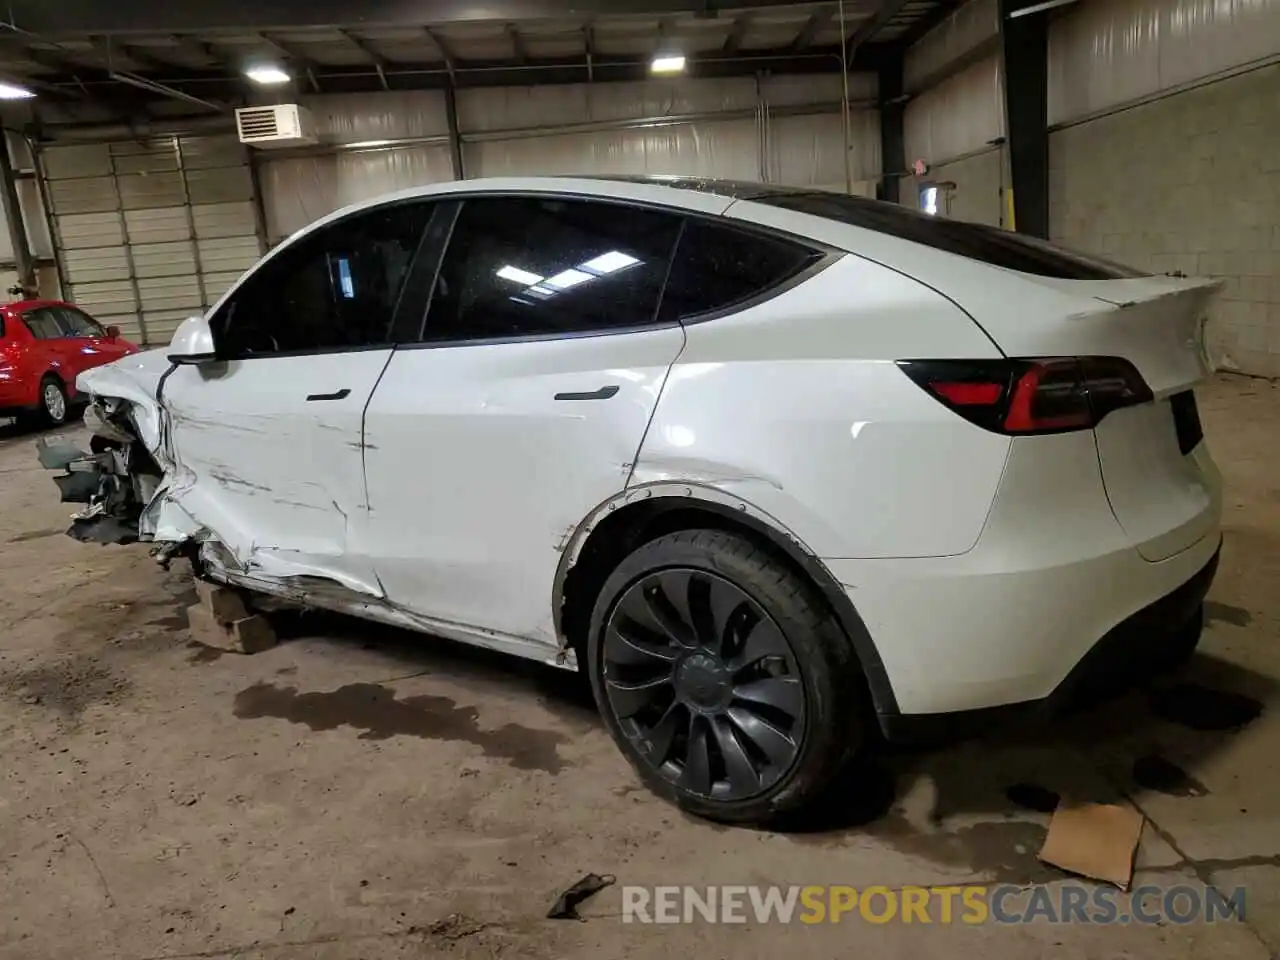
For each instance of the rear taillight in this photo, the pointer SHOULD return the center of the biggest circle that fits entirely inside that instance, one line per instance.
(1049, 395)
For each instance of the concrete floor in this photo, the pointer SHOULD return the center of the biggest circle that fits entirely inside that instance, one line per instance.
(345, 794)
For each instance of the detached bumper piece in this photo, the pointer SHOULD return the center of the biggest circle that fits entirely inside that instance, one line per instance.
(99, 480)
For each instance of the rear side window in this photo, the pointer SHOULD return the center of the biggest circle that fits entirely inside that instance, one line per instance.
(992, 245)
(719, 267)
(43, 324)
(538, 266)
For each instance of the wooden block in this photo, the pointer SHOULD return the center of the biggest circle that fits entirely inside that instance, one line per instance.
(251, 634)
(225, 603)
(207, 630)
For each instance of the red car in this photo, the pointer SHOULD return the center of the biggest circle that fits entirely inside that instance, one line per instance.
(44, 344)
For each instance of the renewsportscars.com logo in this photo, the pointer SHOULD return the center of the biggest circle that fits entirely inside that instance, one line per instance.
(1001, 904)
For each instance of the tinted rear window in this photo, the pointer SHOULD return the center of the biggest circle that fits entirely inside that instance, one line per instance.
(991, 245)
(717, 267)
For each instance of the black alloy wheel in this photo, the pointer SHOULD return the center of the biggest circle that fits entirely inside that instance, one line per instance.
(724, 677)
(704, 684)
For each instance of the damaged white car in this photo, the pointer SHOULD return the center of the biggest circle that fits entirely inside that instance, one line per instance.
(776, 468)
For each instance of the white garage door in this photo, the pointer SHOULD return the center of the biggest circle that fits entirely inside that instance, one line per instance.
(150, 233)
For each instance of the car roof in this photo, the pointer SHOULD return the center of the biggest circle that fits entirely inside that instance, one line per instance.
(22, 306)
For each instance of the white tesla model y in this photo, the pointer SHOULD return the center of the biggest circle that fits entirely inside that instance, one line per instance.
(774, 467)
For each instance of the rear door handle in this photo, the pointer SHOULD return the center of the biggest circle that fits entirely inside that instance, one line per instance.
(338, 395)
(604, 393)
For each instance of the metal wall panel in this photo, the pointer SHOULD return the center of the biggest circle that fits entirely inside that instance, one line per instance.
(972, 25)
(148, 233)
(958, 117)
(782, 128)
(1106, 54)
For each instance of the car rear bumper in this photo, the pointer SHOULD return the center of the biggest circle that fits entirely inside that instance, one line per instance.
(1127, 654)
(1010, 621)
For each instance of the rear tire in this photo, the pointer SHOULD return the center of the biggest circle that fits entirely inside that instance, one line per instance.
(723, 677)
(53, 401)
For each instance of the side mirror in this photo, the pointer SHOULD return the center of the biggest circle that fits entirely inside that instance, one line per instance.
(113, 332)
(192, 342)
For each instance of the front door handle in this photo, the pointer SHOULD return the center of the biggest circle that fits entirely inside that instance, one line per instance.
(337, 395)
(604, 393)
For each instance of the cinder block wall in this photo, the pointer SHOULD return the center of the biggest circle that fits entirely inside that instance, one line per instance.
(1190, 183)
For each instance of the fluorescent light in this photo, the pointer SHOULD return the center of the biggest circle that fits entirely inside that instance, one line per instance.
(609, 262)
(516, 275)
(668, 63)
(9, 92)
(267, 76)
(569, 278)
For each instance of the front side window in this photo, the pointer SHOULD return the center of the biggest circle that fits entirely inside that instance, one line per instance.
(718, 267)
(76, 324)
(43, 324)
(334, 289)
(539, 266)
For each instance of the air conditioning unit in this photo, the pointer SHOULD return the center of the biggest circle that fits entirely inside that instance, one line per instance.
(282, 125)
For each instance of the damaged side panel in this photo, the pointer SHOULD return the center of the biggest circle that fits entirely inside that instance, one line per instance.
(233, 453)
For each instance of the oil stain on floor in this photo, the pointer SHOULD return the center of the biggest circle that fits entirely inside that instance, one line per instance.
(374, 710)
(1204, 708)
(37, 534)
(1154, 772)
(1227, 613)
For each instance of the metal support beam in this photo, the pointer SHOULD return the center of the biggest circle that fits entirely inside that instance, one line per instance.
(251, 16)
(114, 49)
(455, 135)
(1025, 44)
(664, 36)
(893, 152)
(50, 222)
(198, 48)
(517, 44)
(13, 216)
(812, 28)
(164, 90)
(295, 58)
(930, 20)
(887, 10)
(739, 30)
(378, 60)
(446, 54)
(259, 208)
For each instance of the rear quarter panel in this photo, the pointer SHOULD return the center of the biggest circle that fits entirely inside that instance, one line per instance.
(796, 406)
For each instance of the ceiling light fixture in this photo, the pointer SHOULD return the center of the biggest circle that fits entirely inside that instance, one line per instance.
(566, 279)
(609, 262)
(10, 92)
(667, 63)
(516, 275)
(267, 76)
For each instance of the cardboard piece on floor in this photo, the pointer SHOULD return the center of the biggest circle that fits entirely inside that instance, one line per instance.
(1096, 840)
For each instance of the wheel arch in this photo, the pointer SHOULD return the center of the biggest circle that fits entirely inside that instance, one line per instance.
(592, 550)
